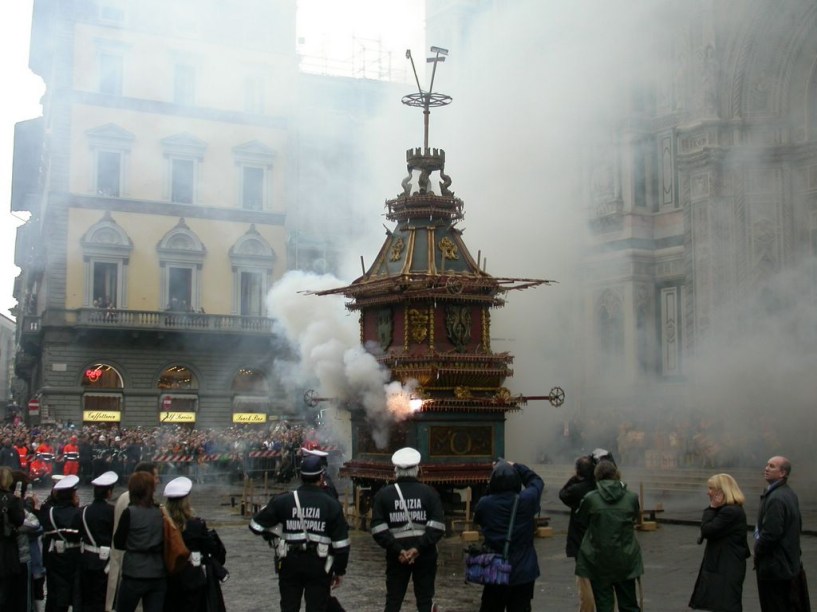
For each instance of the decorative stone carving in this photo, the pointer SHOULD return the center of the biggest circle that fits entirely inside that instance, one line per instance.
(385, 327)
(418, 325)
(397, 249)
(448, 248)
(458, 326)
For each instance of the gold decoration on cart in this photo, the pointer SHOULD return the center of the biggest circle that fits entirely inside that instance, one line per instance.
(448, 248)
(418, 324)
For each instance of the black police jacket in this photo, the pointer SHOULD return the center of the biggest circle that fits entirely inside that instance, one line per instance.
(99, 519)
(390, 525)
(323, 523)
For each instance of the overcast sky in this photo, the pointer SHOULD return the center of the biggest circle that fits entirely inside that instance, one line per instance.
(20, 101)
(325, 27)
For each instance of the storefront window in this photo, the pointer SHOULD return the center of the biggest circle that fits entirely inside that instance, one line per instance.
(102, 398)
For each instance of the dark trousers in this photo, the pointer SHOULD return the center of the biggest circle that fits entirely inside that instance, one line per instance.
(507, 598)
(423, 572)
(302, 575)
(93, 586)
(625, 593)
(151, 591)
(783, 595)
(14, 591)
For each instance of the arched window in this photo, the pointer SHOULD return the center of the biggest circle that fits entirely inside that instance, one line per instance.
(102, 394)
(178, 397)
(251, 400)
(181, 257)
(253, 259)
(106, 250)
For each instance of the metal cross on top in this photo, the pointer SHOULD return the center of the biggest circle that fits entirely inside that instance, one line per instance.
(427, 99)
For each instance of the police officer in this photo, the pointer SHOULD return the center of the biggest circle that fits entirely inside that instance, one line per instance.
(326, 482)
(408, 521)
(61, 545)
(311, 539)
(94, 523)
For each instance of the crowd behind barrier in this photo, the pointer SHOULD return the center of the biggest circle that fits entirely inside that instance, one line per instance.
(200, 454)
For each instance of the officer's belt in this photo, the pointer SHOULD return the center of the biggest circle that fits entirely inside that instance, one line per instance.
(89, 548)
(407, 532)
(295, 538)
(61, 530)
(310, 547)
(67, 545)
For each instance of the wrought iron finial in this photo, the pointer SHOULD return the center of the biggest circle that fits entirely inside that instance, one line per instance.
(427, 99)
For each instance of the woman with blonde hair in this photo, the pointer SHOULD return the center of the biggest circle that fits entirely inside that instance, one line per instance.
(719, 586)
(197, 588)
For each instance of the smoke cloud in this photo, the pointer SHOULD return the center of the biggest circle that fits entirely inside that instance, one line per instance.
(328, 353)
(540, 91)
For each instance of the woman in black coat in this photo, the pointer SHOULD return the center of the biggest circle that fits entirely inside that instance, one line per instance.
(197, 588)
(719, 586)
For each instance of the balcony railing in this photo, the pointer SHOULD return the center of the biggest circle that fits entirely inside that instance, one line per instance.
(153, 320)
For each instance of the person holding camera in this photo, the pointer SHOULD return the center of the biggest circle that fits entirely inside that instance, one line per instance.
(493, 514)
(572, 494)
(609, 555)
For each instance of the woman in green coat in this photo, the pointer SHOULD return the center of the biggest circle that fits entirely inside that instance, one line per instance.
(610, 555)
(719, 586)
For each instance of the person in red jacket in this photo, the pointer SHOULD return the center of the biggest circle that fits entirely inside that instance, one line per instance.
(42, 464)
(22, 450)
(70, 453)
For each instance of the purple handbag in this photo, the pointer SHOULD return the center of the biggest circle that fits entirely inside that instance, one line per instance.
(489, 567)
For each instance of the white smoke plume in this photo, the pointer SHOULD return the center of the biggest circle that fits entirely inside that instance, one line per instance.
(327, 352)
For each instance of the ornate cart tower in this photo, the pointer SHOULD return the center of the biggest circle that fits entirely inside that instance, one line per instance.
(425, 314)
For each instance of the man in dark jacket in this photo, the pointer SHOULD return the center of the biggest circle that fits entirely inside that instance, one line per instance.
(9, 457)
(408, 521)
(777, 543)
(493, 515)
(312, 540)
(571, 495)
(610, 555)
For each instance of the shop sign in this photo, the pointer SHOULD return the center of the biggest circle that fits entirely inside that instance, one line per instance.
(249, 418)
(101, 416)
(177, 417)
(34, 407)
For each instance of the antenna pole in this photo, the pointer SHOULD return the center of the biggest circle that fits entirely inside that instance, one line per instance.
(426, 116)
(428, 99)
(416, 78)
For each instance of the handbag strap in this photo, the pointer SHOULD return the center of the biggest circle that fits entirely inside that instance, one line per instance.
(405, 506)
(510, 527)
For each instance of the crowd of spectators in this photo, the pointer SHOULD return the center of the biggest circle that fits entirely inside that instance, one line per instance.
(201, 454)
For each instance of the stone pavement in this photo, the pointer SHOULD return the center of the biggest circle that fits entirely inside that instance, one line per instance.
(671, 560)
